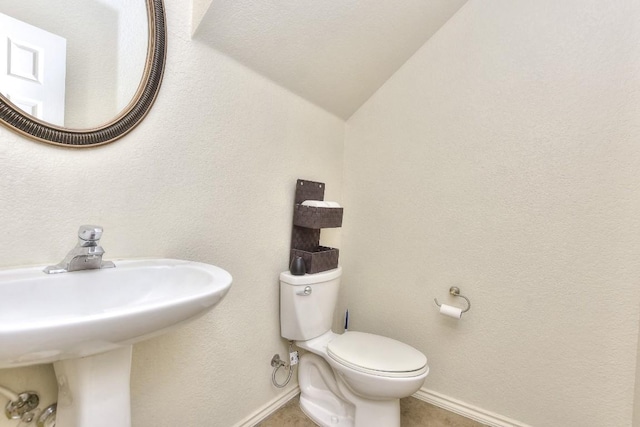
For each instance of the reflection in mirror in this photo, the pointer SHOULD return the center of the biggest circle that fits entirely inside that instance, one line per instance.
(114, 57)
(72, 63)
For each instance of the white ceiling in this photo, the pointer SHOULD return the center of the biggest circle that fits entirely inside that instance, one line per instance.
(335, 53)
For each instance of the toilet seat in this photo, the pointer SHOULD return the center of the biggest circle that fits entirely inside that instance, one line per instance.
(377, 355)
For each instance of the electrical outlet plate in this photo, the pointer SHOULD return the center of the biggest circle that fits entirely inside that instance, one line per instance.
(294, 357)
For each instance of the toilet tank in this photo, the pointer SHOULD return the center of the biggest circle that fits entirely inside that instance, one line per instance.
(306, 315)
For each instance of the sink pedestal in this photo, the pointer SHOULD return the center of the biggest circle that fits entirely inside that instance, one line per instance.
(95, 390)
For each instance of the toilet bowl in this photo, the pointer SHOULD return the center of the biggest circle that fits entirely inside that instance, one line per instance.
(353, 379)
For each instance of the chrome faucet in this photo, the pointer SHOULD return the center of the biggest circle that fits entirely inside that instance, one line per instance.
(87, 255)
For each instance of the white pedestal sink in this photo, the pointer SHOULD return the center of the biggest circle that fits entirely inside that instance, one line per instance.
(86, 322)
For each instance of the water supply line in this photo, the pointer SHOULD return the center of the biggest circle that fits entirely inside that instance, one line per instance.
(9, 394)
(278, 363)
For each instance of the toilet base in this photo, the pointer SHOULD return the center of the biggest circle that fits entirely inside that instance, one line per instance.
(319, 395)
(323, 416)
(329, 402)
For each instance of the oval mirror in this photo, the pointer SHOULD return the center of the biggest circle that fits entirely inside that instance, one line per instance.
(79, 73)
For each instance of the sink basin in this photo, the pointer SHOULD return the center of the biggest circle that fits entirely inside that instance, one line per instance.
(44, 318)
(86, 322)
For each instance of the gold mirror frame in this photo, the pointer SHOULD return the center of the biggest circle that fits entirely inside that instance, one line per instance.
(16, 120)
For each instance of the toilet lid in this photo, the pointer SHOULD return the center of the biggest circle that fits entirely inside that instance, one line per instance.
(376, 354)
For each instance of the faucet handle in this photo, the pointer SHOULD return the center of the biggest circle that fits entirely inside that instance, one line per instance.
(90, 233)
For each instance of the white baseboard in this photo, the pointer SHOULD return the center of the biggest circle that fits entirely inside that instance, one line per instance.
(262, 413)
(437, 399)
(466, 410)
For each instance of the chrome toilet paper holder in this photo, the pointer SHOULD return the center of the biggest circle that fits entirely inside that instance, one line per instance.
(455, 291)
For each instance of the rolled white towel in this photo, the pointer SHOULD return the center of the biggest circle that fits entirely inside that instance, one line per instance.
(320, 204)
(315, 203)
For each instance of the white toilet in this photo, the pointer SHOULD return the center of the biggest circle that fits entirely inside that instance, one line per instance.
(350, 380)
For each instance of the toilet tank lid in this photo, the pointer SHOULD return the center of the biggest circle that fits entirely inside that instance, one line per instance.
(309, 279)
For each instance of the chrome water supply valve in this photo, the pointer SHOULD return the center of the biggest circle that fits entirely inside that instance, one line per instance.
(48, 416)
(276, 362)
(26, 402)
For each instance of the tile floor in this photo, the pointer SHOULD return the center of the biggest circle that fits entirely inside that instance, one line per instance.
(414, 412)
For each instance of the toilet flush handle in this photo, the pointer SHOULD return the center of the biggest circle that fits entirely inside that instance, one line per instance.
(306, 292)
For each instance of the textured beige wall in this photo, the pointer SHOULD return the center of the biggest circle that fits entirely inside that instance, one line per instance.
(209, 176)
(198, 10)
(503, 158)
